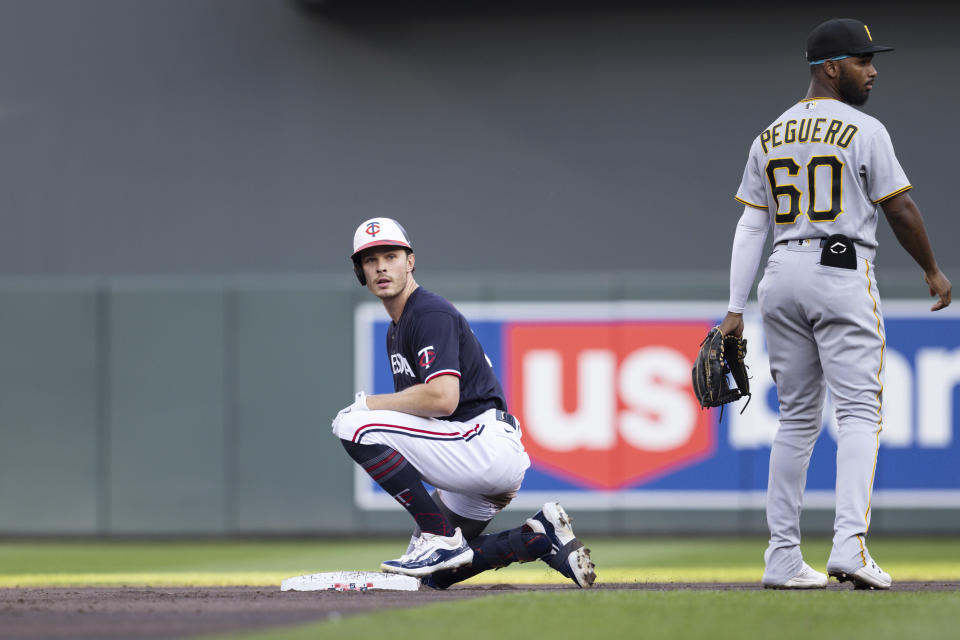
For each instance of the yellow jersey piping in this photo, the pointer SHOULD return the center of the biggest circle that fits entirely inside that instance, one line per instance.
(750, 204)
(890, 195)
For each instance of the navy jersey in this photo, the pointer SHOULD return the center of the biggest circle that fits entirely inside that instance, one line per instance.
(431, 339)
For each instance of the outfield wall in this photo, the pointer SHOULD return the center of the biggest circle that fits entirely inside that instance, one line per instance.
(250, 136)
(202, 406)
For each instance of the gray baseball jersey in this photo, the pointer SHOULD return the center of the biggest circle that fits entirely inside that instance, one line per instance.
(821, 169)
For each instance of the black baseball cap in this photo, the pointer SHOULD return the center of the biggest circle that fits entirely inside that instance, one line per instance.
(841, 37)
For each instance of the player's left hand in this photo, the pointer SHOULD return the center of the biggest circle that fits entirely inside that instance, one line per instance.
(718, 356)
(939, 286)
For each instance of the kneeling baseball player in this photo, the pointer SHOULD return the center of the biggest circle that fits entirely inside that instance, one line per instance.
(446, 424)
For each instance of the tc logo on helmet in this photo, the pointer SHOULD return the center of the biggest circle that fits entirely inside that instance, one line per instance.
(373, 228)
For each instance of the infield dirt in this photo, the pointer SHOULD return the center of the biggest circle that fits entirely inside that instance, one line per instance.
(87, 613)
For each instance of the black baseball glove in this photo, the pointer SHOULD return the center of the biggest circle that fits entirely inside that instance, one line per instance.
(719, 356)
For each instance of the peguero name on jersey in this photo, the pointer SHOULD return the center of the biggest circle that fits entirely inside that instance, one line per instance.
(806, 130)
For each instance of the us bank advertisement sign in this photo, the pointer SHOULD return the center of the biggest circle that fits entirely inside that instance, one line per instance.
(603, 395)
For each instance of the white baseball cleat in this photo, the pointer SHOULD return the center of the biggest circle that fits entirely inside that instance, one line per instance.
(431, 553)
(568, 555)
(869, 577)
(808, 578)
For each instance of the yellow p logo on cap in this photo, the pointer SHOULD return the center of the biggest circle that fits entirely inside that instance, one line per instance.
(868, 32)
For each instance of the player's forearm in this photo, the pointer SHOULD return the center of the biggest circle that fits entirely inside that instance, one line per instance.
(427, 400)
(904, 217)
(745, 257)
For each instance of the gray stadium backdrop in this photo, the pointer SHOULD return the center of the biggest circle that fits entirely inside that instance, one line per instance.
(181, 180)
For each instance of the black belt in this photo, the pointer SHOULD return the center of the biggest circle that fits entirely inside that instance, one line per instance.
(503, 416)
(784, 243)
(837, 250)
(819, 242)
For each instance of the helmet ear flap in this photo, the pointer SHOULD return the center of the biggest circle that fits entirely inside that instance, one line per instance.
(358, 270)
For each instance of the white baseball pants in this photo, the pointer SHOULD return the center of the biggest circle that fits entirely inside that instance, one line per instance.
(468, 462)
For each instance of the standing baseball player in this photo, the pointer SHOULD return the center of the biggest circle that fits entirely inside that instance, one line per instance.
(446, 424)
(820, 173)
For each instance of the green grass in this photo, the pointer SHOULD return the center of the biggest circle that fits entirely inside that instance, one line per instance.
(653, 615)
(328, 555)
(525, 615)
(186, 563)
(191, 556)
(268, 562)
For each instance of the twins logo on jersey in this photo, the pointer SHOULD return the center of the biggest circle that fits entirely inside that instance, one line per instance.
(399, 364)
(426, 356)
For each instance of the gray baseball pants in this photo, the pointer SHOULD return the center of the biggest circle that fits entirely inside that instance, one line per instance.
(824, 327)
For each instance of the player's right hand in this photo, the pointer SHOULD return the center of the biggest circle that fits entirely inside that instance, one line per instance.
(939, 286)
(732, 324)
(359, 404)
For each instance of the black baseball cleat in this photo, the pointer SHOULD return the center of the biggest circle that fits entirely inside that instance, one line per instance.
(568, 555)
